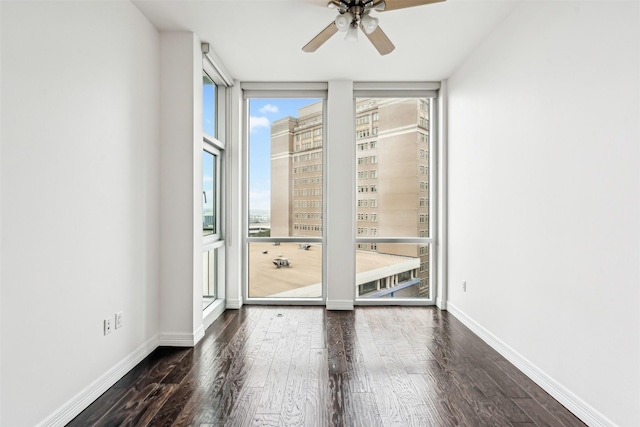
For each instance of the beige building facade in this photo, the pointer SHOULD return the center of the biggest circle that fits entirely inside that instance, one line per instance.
(392, 190)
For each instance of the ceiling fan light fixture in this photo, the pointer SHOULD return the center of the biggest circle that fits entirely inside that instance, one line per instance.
(369, 24)
(352, 34)
(343, 21)
(354, 14)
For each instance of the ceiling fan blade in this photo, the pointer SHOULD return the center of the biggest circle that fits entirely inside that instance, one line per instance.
(322, 37)
(401, 4)
(380, 41)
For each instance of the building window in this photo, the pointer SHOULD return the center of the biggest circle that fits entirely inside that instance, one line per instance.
(366, 288)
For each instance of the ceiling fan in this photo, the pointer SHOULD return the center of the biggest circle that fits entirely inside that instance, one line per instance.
(357, 13)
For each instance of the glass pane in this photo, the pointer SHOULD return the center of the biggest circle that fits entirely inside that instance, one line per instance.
(285, 187)
(209, 205)
(209, 277)
(285, 270)
(392, 270)
(392, 152)
(285, 167)
(208, 106)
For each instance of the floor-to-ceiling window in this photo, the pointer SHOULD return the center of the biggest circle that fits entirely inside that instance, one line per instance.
(213, 146)
(285, 195)
(393, 214)
(394, 209)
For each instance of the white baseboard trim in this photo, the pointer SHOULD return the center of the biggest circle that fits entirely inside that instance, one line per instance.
(89, 394)
(337, 304)
(198, 334)
(571, 401)
(234, 304)
(441, 304)
(177, 339)
(213, 312)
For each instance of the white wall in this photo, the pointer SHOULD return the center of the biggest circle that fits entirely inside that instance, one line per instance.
(80, 224)
(181, 184)
(234, 224)
(544, 191)
(340, 241)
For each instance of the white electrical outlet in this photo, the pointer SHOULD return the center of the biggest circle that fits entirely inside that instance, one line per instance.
(118, 319)
(464, 286)
(108, 326)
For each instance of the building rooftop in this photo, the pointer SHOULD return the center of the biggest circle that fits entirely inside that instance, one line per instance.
(303, 278)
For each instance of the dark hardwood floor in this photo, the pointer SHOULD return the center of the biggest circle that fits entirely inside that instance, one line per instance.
(305, 366)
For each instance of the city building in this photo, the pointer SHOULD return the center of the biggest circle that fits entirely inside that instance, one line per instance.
(392, 151)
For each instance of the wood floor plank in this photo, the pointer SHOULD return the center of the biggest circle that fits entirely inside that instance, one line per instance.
(564, 416)
(216, 389)
(266, 420)
(336, 401)
(225, 390)
(335, 343)
(317, 387)
(151, 406)
(483, 407)
(295, 394)
(318, 334)
(274, 388)
(450, 395)
(509, 387)
(97, 409)
(175, 404)
(298, 366)
(388, 405)
(440, 414)
(138, 408)
(245, 409)
(363, 410)
(540, 416)
(257, 376)
(358, 380)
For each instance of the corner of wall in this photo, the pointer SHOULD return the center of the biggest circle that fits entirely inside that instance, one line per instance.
(89, 394)
(566, 397)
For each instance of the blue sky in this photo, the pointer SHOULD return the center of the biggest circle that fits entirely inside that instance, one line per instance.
(208, 166)
(262, 113)
(208, 125)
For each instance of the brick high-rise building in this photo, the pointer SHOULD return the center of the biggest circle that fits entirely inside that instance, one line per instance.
(392, 152)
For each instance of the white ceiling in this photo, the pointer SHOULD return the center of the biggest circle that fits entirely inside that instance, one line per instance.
(261, 40)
